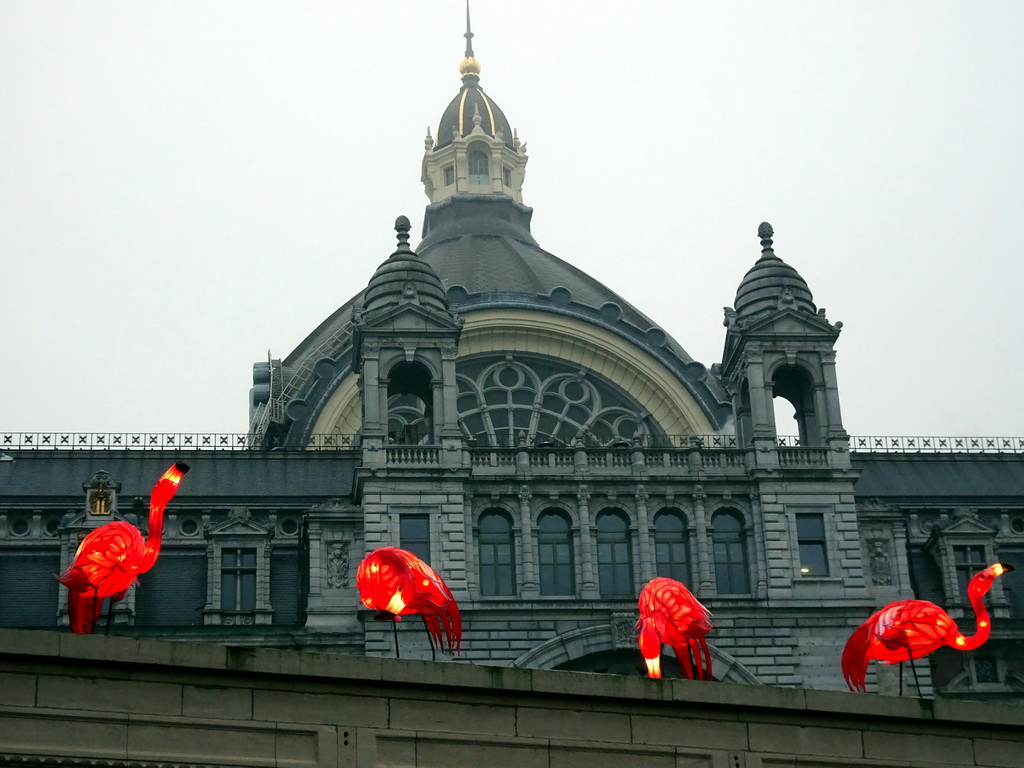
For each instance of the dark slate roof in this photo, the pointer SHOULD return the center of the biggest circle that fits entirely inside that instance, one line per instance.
(911, 477)
(214, 477)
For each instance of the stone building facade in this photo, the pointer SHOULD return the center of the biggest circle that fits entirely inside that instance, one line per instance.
(548, 449)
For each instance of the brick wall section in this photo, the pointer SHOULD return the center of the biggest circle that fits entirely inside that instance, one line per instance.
(126, 701)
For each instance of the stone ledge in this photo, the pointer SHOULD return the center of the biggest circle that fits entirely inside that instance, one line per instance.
(130, 655)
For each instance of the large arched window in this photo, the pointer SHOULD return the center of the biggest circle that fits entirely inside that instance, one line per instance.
(672, 546)
(478, 168)
(732, 575)
(554, 540)
(614, 560)
(497, 554)
(794, 384)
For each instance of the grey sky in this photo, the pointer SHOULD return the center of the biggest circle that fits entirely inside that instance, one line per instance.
(185, 185)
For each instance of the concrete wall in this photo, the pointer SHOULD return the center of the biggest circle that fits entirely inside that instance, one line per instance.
(88, 700)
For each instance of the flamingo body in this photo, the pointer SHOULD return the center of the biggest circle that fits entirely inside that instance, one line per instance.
(911, 629)
(670, 614)
(110, 558)
(396, 582)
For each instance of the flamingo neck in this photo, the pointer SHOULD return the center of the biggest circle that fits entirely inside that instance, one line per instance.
(983, 626)
(156, 532)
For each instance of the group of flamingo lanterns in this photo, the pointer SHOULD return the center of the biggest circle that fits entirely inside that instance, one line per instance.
(396, 583)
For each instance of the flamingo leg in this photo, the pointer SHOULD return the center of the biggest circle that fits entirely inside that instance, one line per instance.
(695, 658)
(110, 614)
(685, 665)
(433, 653)
(707, 659)
(394, 629)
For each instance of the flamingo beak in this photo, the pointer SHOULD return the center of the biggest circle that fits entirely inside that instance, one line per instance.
(1000, 568)
(653, 667)
(396, 605)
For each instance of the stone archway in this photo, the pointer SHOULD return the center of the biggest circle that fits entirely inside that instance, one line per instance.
(603, 648)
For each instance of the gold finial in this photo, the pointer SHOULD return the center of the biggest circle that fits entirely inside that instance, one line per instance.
(469, 65)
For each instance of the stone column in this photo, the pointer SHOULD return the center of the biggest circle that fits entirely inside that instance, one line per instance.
(644, 535)
(704, 551)
(758, 542)
(589, 588)
(529, 589)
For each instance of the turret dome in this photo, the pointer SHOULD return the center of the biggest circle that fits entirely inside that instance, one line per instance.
(404, 277)
(771, 282)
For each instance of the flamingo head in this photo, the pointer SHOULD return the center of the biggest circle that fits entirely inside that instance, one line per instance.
(651, 638)
(982, 581)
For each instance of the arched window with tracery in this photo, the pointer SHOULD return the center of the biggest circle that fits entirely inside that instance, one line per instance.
(548, 401)
(614, 555)
(479, 168)
(672, 545)
(729, 540)
(555, 546)
(496, 546)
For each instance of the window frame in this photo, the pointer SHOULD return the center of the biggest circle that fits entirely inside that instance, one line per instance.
(614, 552)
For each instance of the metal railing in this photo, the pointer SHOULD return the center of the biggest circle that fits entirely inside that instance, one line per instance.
(166, 441)
(241, 441)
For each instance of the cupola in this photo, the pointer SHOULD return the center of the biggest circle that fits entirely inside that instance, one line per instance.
(404, 278)
(476, 151)
(771, 283)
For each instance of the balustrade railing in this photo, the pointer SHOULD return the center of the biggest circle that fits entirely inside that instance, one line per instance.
(241, 441)
(413, 455)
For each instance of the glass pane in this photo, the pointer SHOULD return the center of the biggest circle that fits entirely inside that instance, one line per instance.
(248, 558)
(726, 523)
(228, 597)
(247, 601)
(668, 523)
(810, 527)
(229, 558)
(812, 559)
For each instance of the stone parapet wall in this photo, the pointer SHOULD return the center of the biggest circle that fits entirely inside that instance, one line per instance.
(81, 700)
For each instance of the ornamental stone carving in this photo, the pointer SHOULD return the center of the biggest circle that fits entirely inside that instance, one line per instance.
(337, 564)
(623, 635)
(881, 568)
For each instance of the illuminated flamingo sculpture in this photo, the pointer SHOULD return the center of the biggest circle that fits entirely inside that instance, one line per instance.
(669, 613)
(110, 558)
(396, 583)
(910, 629)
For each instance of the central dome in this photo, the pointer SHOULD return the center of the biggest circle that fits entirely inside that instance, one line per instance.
(471, 100)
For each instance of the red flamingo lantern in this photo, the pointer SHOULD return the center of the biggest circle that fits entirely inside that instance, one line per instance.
(111, 557)
(669, 613)
(910, 629)
(396, 583)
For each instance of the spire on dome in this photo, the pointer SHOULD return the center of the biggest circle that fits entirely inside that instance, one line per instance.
(469, 67)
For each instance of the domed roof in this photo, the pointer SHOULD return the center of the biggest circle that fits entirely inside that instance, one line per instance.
(471, 100)
(770, 281)
(404, 276)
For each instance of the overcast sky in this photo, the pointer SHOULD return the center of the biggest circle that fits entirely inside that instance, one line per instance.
(187, 185)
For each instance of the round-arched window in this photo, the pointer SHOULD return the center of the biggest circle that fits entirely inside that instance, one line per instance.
(479, 171)
(614, 558)
(497, 554)
(729, 539)
(672, 546)
(554, 544)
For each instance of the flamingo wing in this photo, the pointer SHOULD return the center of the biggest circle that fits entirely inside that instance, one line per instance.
(104, 560)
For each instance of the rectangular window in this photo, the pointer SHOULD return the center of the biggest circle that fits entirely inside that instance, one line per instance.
(449, 175)
(968, 561)
(238, 580)
(506, 176)
(810, 536)
(414, 535)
